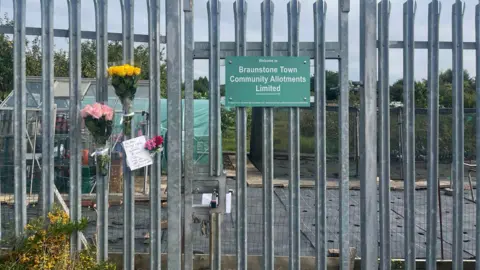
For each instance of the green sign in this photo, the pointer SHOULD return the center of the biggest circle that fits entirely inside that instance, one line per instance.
(267, 81)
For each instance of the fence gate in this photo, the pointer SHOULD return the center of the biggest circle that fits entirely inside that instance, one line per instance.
(186, 179)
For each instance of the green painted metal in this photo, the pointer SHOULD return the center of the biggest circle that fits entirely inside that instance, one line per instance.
(267, 81)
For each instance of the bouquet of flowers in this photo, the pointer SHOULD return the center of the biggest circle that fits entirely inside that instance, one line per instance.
(124, 80)
(99, 121)
(154, 145)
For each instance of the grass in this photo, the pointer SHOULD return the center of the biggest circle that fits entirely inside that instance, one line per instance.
(307, 131)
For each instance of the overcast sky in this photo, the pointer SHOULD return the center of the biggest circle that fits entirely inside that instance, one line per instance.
(280, 28)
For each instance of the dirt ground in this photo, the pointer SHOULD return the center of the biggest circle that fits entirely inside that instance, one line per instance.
(307, 167)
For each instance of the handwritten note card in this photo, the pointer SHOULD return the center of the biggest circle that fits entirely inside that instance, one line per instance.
(137, 156)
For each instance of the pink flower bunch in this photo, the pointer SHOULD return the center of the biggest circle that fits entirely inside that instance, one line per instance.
(98, 120)
(97, 111)
(154, 144)
(150, 145)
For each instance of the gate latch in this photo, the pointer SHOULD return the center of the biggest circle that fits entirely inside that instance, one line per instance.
(215, 185)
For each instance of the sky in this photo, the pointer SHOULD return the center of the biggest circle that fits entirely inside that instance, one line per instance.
(227, 25)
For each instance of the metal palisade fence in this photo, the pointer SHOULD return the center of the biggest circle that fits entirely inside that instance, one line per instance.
(185, 179)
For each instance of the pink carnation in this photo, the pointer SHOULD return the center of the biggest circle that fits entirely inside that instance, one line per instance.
(86, 111)
(108, 112)
(150, 145)
(97, 111)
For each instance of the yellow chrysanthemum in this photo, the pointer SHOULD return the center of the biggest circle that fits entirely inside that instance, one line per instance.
(121, 73)
(123, 70)
(137, 71)
(129, 70)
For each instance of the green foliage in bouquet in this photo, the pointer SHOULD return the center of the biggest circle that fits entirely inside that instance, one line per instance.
(127, 125)
(103, 161)
(101, 129)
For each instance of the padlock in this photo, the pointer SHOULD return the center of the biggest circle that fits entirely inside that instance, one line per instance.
(214, 201)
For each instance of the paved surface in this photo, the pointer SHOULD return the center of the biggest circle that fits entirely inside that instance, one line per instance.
(255, 229)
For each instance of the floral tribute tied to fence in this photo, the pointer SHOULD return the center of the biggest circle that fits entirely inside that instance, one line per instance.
(154, 145)
(99, 121)
(124, 80)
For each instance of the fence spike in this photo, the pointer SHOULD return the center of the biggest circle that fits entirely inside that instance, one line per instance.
(48, 119)
(293, 8)
(240, 11)
(174, 137)
(432, 139)
(74, 11)
(102, 182)
(477, 42)
(343, 125)
(153, 9)
(458, 135)
(320, 133)
(20, 115)
(368, 134)
(384, 126)
(267, 8)
(127, 7)
(189, 133)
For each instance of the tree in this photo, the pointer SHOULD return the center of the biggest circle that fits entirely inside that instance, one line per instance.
(445, 91)
(33, 55)
(61, 66)
(6, 62)
(445, 95)
(396, 91)
(445, 77)
(222, 90)
(33, 58)
(421, 94)
(88, 49)
(200, 85)
(331, 85)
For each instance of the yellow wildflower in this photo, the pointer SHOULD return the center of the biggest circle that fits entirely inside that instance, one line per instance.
(24, 258)
(110, 71)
